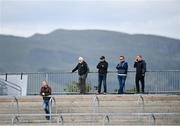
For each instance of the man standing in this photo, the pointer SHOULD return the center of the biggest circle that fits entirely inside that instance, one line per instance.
(102, 73)
(122, 68)
(45, 92)
(140, 66)
(83, 70)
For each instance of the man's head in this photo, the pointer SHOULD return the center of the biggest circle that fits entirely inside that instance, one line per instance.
(80, 59)
(122, 58)
(139, 58)
(102, 58)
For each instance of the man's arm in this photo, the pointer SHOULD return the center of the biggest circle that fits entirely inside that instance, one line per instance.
(98, 66)
(117, 67)
(143, 67)
(126, 66)
(75, 69)
(135, 64)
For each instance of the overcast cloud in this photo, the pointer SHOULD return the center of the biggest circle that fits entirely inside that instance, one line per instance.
(26, 17)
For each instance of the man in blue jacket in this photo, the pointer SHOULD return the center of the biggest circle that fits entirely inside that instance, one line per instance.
(122, 68)
(140, 66)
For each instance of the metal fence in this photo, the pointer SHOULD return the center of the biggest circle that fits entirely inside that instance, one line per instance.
(9, 88)
(167, 81)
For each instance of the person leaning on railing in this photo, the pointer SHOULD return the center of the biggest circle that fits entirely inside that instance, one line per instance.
(45, 92)
(83, 70)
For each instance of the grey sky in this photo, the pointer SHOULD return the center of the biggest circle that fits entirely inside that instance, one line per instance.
(26, 17)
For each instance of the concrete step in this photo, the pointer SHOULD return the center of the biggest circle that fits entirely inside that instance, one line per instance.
(91, 104)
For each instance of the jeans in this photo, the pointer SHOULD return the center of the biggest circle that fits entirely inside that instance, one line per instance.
(102, 78)
(141, 79)
(122, 80)
(82, 83)
(46, 106)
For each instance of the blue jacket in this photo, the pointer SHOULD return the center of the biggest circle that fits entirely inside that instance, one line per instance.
(122, 68)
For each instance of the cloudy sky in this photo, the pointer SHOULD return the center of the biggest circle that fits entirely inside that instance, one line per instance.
(26, 17)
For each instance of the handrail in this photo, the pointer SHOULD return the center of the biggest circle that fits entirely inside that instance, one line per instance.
(68, 72)
(155, 82)
(154, 119)
(12, 85)
(95, 104)
(105, 115)
(15, 100)
(141, 102)
(50, 106)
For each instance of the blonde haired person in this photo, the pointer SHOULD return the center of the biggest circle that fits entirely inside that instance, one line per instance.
(45, 92)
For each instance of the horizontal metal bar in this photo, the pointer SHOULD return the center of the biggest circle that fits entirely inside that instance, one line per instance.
(95, 114)
(67, 72)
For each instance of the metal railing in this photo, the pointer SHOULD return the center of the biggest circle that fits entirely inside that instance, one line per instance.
(167, 81)
(51, 106)
(107, 118)
(10, 88)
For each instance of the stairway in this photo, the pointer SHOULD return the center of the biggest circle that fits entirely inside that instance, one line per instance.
(93, 110)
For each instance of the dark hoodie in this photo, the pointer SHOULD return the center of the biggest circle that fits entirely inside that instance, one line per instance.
(140, 68)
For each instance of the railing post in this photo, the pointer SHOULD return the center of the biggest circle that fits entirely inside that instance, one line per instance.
(106, 117)
(21, 76)
(60, 119)
(154, 119)
(17, 105)
(141, 102)
(6, 77)
(95, 104)
(16, 112)
(50, 106)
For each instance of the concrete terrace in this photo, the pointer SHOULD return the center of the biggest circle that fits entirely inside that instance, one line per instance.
(136, 109)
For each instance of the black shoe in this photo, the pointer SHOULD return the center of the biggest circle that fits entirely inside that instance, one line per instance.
(47, 117)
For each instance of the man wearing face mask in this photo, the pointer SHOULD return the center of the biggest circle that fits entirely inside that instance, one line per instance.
(102, 73)
(140, 66)
(83, 70)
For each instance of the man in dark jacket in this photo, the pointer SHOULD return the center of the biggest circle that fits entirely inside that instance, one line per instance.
(83, 70)
(45, 92)
(102, 73)
(122, 68)
(140, 66)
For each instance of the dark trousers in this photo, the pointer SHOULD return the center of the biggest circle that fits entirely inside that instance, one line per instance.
(122, 80)
(46, 106)
(82, 83)
(102, 78)
(141, 79)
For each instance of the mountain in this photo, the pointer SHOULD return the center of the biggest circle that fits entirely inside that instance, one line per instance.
(60, 49)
